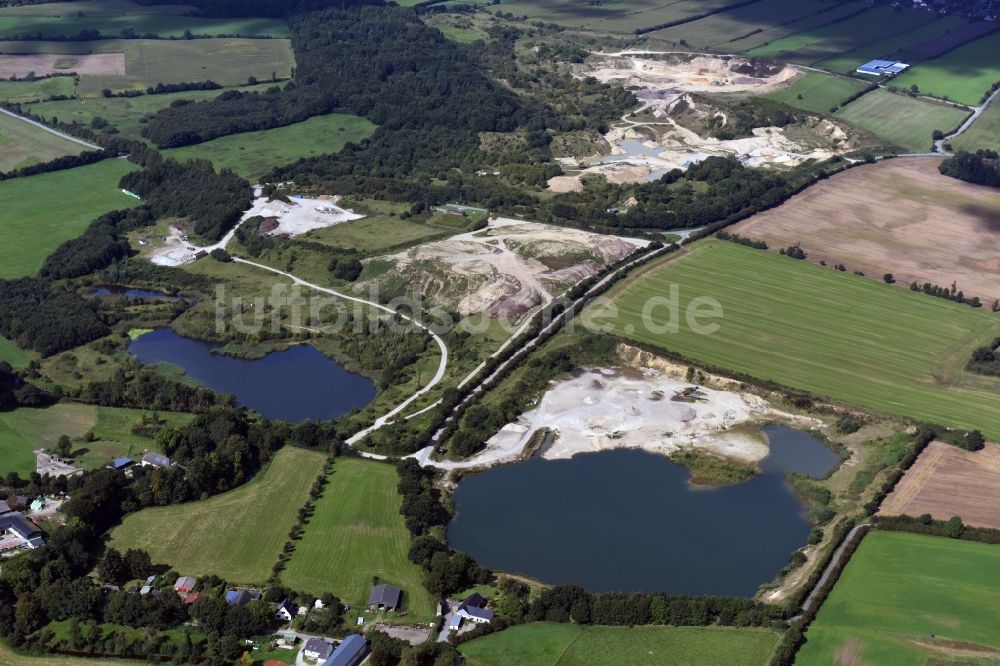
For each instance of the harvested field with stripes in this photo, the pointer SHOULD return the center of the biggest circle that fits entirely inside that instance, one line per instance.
(948, 481)
(889, 218)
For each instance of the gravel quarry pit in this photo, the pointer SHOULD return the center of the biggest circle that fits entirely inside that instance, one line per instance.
(504, 270)
(294, 218)
(648, 142)
(678, 72)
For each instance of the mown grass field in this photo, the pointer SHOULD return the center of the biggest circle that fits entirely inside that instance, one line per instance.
(22, 92)
(818, 93)
(380, 229)
(829, 15)
(23, 144)
(93, 8)
(892, 47)
(909, 599)
(547, 644)
(964, 74)
(877, 24)
(24, 430)
(126, 114)
(984, 132)
(830, 333)
(904, 121)
(41, 212)
(52, 27)
(716, 30)
(622, 16)
(355, 533)
(11, 353)
(226, 61)
(237, 535)
(10, 658)
(253, 154)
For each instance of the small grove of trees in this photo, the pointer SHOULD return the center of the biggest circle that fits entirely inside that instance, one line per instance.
(981, 167)
(985, 360)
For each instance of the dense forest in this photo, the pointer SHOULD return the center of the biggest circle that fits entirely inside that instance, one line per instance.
(39, 315)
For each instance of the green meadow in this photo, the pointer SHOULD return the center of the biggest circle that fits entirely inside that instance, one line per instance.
(39, 213)
(910, 599)
(237, 535)
(984, 132)
(23, 92)
(847, 337)
(964, 74)
(818, 93)
(355, 533)
(253, 154)
(23, 144)
(904, 121)
(548, 644)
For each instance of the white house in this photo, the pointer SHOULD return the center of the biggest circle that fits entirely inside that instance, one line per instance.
(286, 610)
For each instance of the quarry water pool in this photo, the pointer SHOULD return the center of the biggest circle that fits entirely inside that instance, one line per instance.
(630, 521)
(294, 385)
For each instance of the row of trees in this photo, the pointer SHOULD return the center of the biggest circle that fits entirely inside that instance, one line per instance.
(981, 167)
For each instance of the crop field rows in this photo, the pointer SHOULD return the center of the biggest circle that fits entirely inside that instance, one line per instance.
(818, 93)
(901, 120)
(147, 62)
(833, 334)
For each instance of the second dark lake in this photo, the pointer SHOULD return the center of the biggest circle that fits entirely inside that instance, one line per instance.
(295, 385)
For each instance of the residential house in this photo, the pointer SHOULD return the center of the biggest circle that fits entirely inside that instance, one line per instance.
(193, 597)
(317, 649)
(241, 597)
(385, 597)
(185, 585)
(351, 652)
(285, 611)
(152, 459)
(472, 609)
(121, 463)
(4, 507)
(16, 531)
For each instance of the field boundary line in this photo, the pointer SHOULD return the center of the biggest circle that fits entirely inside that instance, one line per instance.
(61, 135)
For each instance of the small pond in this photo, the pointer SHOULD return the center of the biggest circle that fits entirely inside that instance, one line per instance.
(631, 521)
(105, 291)
(295, 385)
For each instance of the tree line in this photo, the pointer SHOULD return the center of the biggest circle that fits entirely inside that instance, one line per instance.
(979, 168)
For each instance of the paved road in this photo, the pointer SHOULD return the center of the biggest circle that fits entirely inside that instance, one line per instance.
(976, 112)
(61, 135)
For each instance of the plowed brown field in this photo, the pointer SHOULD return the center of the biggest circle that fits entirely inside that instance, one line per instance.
(899, 216)
(948, 481)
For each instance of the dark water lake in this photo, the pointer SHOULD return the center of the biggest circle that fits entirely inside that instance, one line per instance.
(630, 521)
(295, 385)
(105, 291)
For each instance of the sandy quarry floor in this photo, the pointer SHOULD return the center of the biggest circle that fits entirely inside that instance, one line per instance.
(645, 149)
(929, 486)
(294, 218)
(898, 216)
(679, 73)
(102, 64)
(501, 270)
(614, 408)
(610, 409)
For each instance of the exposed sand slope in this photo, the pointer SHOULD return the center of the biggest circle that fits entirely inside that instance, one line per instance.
(503, 270)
